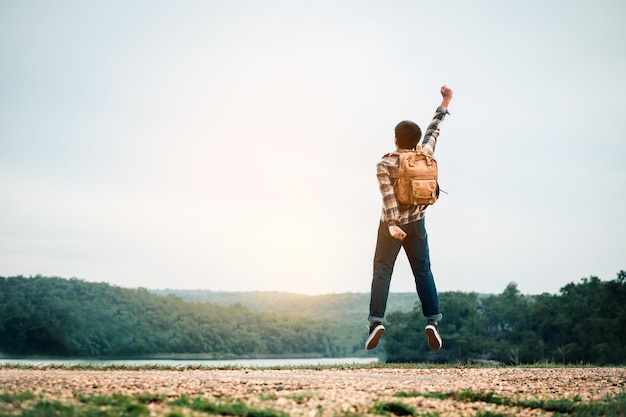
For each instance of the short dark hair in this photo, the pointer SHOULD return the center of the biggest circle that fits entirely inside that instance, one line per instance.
(408, 135)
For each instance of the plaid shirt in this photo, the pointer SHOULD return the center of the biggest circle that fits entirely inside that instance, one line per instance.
(387, 170)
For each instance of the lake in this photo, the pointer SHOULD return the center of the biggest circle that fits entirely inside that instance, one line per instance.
(192, 362)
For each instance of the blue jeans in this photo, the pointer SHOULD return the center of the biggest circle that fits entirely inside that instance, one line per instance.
(415, 246)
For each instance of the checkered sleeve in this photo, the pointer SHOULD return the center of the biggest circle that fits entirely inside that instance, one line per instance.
(385, 175)
(432, 133)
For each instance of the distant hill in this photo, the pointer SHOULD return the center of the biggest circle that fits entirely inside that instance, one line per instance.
(73, 318)
(343, 308)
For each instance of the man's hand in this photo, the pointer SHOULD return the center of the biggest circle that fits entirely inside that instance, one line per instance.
(446, 93)
(396, 232)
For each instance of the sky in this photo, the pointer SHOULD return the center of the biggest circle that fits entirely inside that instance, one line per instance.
(232, 145)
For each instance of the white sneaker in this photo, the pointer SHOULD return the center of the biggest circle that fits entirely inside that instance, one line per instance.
(434, 340)
(376, 331)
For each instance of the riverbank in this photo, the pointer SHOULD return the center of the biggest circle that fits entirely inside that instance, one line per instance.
(325, 392)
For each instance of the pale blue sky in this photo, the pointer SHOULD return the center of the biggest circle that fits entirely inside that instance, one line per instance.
(231, 145)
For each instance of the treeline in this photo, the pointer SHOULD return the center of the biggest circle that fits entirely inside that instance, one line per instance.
(585, 323)
(70, 317)
(345, 308)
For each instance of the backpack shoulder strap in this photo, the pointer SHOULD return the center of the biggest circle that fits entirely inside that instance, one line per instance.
(391, 153)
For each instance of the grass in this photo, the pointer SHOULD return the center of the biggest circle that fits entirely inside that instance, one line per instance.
(16, 398)
(225, 408)
(302, 397)
(397, 408)
(115, 405)
(101, 407)
(610, 406)
(376, 365)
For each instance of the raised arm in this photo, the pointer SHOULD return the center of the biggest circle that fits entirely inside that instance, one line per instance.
(432, 133)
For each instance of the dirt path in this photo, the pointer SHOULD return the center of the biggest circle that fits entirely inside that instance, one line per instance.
(328, 392)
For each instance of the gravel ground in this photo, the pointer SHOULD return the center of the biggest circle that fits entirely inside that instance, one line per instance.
(328, 392)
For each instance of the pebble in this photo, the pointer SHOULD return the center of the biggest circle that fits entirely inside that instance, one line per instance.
(326, 392)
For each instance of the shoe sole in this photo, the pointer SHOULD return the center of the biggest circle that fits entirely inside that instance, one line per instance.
(434, 341)
(372, 340)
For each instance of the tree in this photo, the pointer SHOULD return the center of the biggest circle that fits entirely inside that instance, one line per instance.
(462, 327)
(55, 316)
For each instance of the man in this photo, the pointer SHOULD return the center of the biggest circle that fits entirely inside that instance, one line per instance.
(402, 226)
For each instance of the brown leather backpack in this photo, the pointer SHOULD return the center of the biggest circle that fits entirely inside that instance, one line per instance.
(417, 183)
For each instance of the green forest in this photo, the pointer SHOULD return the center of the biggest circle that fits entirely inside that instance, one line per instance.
(74, 318)
(585, 323)
(58, 317)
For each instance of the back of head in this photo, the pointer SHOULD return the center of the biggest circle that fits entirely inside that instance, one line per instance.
(408, 135)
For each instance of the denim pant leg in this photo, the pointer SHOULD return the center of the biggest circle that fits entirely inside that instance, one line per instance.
(387, 249)
(416, 248)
